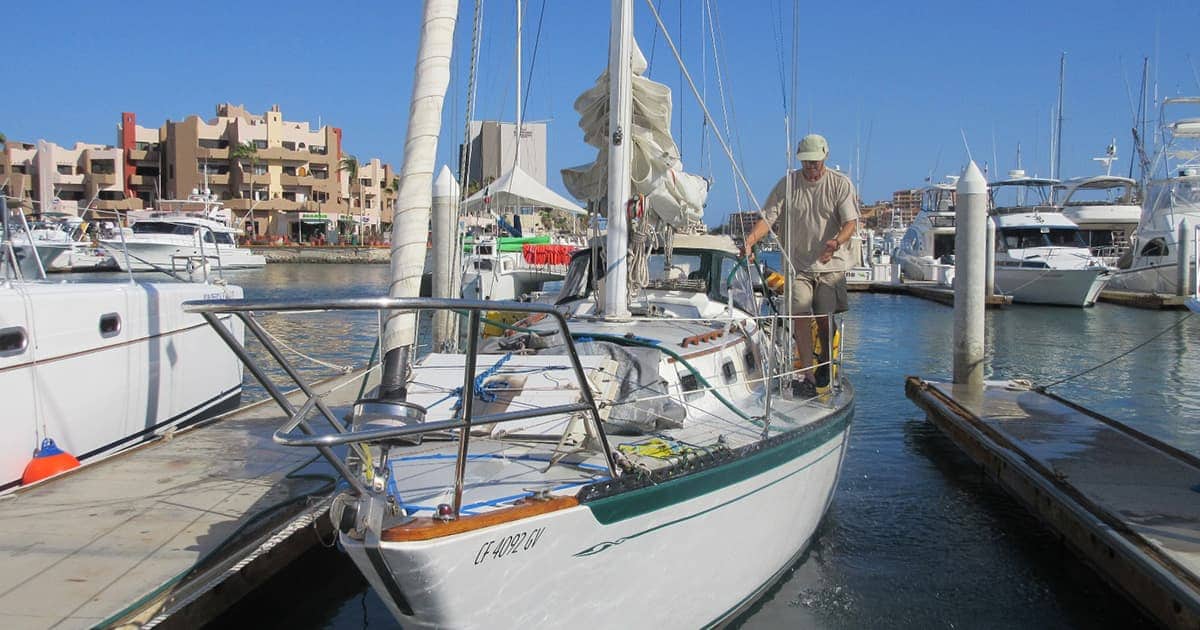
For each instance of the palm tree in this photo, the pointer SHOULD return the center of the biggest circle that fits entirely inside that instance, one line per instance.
(349, 163)
(246, 151)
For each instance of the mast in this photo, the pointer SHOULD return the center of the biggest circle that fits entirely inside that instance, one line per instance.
(517, 159)
(1056, 170)
(410, 215)
(620, 119)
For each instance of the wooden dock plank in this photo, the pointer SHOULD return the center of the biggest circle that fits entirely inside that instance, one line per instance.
(84, 546)
(1124, 501)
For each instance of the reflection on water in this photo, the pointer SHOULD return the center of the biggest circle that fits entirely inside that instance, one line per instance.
(917, 536)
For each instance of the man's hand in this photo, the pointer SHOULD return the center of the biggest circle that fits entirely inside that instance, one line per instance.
(746, 250)
(831, 246)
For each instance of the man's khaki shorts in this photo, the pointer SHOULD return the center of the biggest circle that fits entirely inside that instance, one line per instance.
(819, 293)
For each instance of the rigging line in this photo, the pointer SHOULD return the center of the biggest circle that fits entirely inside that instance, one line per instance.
(537, 38)
(736, 137)
(737, 188)
(681, 103)
(1164, 331)
(653, 44)
(717, 135)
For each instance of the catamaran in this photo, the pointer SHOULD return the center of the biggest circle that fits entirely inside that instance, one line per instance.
(100, 366)
(633, 443)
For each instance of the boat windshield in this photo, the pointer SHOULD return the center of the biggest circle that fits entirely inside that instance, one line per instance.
(1025, 238)
(160, 227)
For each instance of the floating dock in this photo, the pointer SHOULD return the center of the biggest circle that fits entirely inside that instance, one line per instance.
(170, 533)
(1125, 502)
(1161, 301)
(926, 290)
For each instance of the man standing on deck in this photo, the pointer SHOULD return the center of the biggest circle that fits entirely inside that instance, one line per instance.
(822, 217)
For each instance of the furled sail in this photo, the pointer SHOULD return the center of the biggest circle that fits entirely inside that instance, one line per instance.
(676, 198)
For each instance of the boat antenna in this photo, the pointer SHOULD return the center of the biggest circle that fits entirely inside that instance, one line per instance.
(966, 144)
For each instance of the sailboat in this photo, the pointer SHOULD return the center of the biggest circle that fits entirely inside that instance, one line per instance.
(631, 446)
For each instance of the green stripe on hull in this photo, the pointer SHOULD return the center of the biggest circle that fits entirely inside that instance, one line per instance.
(634, 503)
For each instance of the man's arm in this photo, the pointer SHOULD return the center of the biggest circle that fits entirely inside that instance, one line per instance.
(760, 230)
(843, 236)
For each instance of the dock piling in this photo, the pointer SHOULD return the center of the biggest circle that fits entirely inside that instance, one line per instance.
(970, 262)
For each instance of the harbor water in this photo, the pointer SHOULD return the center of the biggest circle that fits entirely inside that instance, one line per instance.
(917, 536)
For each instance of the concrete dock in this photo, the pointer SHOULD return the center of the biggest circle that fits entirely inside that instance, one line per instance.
(169, 533)
(1128, 504)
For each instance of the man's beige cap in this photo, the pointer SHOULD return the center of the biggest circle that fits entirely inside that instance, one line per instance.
(813, 148)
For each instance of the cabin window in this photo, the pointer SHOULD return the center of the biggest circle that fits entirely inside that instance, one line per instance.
(751, 363)
(943, 244)
(1156, 247)
(728, 371)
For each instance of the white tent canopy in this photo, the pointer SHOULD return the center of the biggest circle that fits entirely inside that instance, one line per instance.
(517, 188)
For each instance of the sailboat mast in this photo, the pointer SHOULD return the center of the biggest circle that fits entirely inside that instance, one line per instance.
(620, 119)
(410, 215)
(517, 159)
(1056, 172)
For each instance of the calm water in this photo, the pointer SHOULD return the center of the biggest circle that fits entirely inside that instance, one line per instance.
(917, 537)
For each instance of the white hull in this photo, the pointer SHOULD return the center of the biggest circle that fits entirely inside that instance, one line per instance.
(147, 256)
(1157, 275)
(720, 546)
(1064, 287)
(93, 391)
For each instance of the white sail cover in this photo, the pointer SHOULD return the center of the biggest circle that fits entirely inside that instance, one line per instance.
(675, 197)
(517, 188)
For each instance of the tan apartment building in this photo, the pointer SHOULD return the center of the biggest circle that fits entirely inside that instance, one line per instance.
(69, 180)
(279, 178)
(906, 204)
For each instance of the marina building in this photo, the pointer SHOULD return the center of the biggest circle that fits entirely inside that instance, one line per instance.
(71, 178)
(280, 179)
(906, 204)
(494, 146)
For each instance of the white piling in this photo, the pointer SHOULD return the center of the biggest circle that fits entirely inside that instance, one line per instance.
(970, 275)
(445, 226)
(989, 283)
(1184, 250)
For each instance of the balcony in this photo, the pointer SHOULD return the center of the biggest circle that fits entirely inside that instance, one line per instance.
(133, 203)
(104, 179)
(212, 154)
(216, 178)
(280, 153)
(136, 155)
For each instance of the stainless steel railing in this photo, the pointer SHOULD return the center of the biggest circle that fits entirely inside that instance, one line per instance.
(355, 438)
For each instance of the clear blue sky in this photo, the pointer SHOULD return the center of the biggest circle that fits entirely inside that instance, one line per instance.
(911, 74)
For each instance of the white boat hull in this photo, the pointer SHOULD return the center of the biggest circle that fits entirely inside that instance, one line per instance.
(105, 365)
(722, 535)
(1063, 287)
(152, 256)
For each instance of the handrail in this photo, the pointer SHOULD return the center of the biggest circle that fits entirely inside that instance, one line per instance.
(245, 309)
(372, 435)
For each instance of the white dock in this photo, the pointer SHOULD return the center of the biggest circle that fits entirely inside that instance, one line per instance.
(175, 530)
(1128, 504)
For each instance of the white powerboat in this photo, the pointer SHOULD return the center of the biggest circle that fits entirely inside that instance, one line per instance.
(635, 439)
(60, 241)
(926, 252)
(1171, 207)
(100, 366)
(185, 234)
(1040, 256)
(1106, 208)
